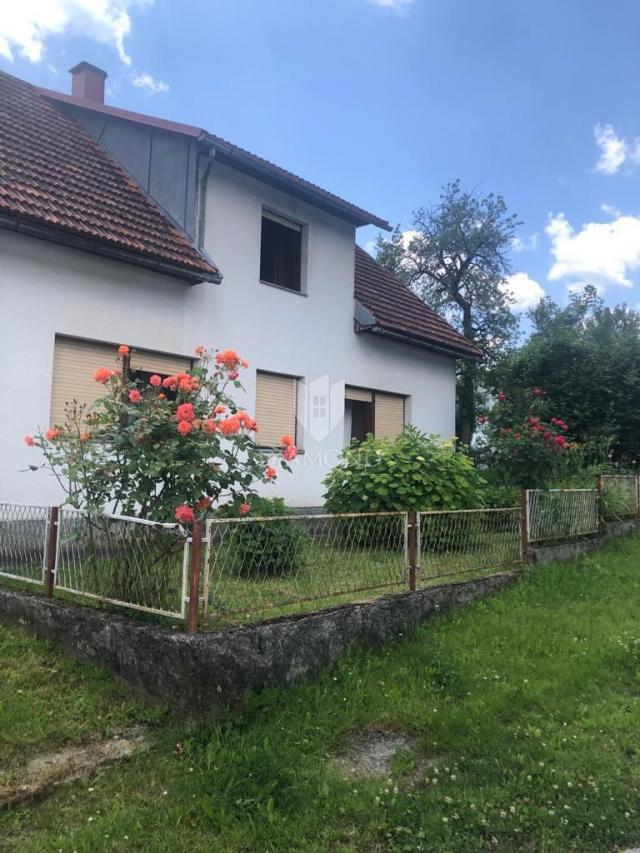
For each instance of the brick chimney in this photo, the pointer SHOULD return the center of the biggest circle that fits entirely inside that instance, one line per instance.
(87, 82)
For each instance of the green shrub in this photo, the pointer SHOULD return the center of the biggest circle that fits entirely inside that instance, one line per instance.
(414, 472)
(265, 548)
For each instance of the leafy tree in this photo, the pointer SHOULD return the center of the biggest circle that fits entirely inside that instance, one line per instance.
(457, 259)
(587, 358)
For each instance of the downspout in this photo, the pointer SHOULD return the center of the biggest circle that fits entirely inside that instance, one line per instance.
(202, 196)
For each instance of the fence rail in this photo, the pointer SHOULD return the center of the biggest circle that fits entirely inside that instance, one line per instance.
(275, 565)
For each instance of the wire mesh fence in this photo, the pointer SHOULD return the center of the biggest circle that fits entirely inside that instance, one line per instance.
(619, 495)
(258, 564)
(464, 541)
(275, 565)
(23, 536)
(561, 514)
(124, 561)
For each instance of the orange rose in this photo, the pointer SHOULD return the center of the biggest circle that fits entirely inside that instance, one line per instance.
(229, 426)
(270, 473)
(123, 349)
(287, 440)
(102, 375)
(155, 380)
(244, 509)
(52, 434)
(184, 428)
(29, 440)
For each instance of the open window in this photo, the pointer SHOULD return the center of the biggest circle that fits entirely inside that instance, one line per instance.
(281, 252)
(372, 412)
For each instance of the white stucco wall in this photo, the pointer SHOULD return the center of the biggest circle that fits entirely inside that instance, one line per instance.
(47, 289)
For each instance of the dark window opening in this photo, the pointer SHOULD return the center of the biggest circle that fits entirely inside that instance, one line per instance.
(280, 254)
(361, 420)
(142, 377)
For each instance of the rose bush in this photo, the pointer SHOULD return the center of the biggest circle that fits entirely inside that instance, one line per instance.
(165, 449)
(522, 442)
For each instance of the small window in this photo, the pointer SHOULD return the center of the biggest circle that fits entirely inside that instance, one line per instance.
(276, 397)
(281, 252)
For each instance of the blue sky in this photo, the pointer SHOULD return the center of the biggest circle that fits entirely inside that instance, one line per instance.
(383, 101)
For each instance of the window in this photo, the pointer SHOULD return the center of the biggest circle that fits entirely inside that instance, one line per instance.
(75, 360)
(281, 252)
(275, 407)
(372, 412)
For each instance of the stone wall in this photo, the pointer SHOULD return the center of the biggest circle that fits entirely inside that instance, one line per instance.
(200, 674)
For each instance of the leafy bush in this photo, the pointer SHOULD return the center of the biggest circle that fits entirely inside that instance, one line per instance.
(265, 548)
(414, 472)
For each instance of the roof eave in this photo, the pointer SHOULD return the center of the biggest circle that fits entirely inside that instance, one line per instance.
(61, 236)
(242, 161)
(405, 337)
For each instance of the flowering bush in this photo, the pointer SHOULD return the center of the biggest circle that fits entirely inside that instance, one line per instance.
(163, 449)
(523, 451)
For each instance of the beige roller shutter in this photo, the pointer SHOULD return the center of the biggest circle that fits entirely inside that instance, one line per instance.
(359, 394)
(275, 407)
(75, 360)
(389, 415)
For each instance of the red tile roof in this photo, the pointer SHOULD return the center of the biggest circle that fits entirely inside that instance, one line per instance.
(398, 311)
(239, 158)
(55, 180)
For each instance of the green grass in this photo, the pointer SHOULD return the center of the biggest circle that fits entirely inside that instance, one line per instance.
(530, 702)
(47, 701)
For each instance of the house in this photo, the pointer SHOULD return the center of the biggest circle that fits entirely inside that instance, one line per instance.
(117, 228)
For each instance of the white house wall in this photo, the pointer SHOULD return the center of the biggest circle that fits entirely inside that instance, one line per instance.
(48, 289)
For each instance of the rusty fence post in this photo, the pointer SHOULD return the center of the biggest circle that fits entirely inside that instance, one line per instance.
(52, 550)
(524, 525)
(412, 548)
(194, 578)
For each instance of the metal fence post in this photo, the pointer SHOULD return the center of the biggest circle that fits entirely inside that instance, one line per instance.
(52, 550)
(412, 548)
(194, 578)
(524, 525)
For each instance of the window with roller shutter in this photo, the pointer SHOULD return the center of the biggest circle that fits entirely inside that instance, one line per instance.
(373, 412)
(75, 360)
(276, 406)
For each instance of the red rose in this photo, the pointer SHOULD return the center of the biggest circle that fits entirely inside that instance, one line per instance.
(155, 380)
(134, 396)
(184, 514)
(290, 452)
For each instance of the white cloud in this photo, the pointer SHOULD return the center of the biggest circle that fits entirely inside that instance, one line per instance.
(602, 252)
(610, 210)
(400, 7)
(150, 84)
(524, 290)
(613, 149)
(26, 26)
(520, 245)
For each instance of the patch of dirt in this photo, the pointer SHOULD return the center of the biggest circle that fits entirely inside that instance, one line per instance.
(370, 755)
(42, 773)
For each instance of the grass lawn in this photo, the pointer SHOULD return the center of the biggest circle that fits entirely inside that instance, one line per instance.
(529, 703)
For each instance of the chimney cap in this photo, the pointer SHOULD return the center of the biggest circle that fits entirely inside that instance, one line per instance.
(87, 66)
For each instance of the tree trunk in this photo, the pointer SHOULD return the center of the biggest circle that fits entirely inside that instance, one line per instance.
(466, 392)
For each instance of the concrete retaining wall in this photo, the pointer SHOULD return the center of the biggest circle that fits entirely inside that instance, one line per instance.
(207, 672)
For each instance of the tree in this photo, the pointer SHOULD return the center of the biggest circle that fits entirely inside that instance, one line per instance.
(456, 258)
(587, 358)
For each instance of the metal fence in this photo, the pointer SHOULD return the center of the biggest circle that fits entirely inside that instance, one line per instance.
(619, 496)
(559, 514)
(23, 538)
(278, 565)
(125, 561)
(460, 542)
(257, 564)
